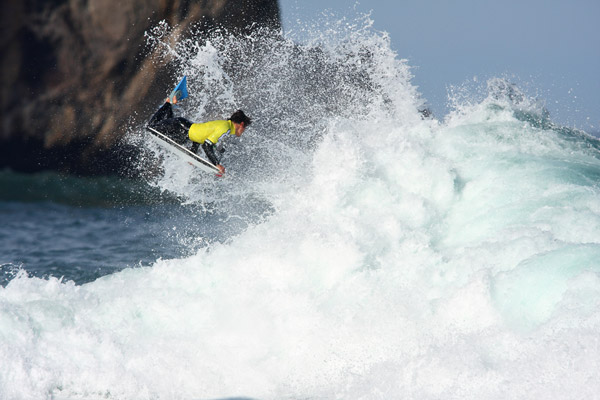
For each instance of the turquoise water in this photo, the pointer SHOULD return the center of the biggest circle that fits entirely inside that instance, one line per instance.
(354, 249)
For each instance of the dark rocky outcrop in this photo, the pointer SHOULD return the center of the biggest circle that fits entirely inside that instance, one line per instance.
(75, 71)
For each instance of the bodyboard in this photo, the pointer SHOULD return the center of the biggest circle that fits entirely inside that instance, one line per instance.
(169, 144)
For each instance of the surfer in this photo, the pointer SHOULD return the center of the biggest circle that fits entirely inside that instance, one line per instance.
(205, 134)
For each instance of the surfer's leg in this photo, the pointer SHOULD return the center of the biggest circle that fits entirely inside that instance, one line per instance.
(174, 129)
(164, 112)
(185, 123)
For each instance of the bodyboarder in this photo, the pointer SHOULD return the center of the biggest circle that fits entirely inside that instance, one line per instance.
(205, 134)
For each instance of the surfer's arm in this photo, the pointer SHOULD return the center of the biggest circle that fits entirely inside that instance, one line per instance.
(209, 149)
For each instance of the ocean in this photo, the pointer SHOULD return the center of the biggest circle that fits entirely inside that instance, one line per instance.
(356, 248)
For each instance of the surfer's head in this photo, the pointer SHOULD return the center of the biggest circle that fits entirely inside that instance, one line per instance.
(240, 121)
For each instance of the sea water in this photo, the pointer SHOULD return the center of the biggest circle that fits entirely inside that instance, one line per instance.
(356, 249)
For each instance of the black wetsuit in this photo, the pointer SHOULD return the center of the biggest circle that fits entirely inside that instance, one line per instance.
(165, 122)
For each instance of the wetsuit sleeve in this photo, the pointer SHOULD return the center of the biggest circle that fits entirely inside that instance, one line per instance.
(209, 149)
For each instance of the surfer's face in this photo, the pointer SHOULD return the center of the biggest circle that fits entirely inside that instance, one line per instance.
(239, 129)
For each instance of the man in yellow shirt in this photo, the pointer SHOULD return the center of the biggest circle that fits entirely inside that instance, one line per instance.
(206, 134)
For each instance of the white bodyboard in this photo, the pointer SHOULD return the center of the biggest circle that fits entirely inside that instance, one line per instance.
(186, 155)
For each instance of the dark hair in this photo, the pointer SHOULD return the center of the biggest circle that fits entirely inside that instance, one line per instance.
(238, 117)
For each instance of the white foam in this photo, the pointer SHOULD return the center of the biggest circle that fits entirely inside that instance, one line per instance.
(414, 260)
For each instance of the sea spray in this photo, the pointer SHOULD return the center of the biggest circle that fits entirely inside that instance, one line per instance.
(398, 257)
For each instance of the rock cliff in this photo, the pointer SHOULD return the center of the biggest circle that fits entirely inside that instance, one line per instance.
(75, 71)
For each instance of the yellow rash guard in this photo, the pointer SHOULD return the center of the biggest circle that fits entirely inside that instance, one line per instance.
(210, 131)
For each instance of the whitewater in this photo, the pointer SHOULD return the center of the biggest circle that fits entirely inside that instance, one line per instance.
(383, 253)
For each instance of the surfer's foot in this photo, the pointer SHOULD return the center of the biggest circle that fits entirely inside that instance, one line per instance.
(173, 97)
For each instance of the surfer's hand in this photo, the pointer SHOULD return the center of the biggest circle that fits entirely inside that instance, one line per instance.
(221, 170)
